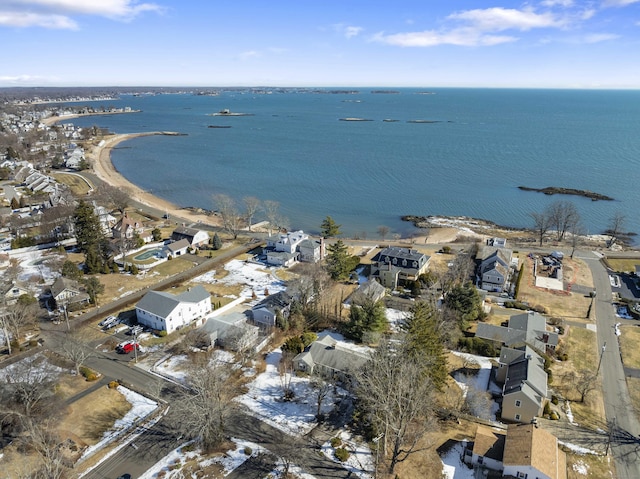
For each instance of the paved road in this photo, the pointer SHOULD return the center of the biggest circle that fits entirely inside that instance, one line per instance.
(618, 409)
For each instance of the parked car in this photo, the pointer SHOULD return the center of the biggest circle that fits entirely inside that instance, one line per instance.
(125, 476)
(127, 348)
(108, 320)
(134, 330)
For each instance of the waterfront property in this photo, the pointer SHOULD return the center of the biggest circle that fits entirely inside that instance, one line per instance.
(494, 267)
(394, 266)
(196, 238)
(167, 312)
(177, 248)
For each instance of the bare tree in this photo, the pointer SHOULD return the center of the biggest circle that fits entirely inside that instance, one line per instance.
(616, 227)
(56, 222)
(321, 390)
(478, 402)
(272, 212)
(285, 371)
(204, 409)
(117, 198)
(231, 219)
(584, 382)
(398, 399)
(19, 316)
(251, 205)
(45, 442)
(577, 232)
(562, 216)
(75, 349)
(541, 225)
(383, 231)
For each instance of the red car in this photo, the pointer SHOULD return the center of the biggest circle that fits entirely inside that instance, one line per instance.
(127, 348)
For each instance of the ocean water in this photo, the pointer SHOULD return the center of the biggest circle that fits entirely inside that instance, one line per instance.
(480, 146)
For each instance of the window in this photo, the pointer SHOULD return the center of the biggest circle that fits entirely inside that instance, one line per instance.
(480, 459)
(518, 403)
(521, 475)
(517, 417)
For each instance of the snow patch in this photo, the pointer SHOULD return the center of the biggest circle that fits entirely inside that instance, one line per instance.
(581, 468)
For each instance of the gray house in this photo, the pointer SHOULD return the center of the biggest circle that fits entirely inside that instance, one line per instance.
(525, 384)
(266, 311)
(330, 358)
(493, 269)
(232, 332)
(528, 328)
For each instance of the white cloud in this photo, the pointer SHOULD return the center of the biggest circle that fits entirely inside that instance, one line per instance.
(600, 37)
(557, 3)
(249, 54)
(58, 13)
(499, 19)
(429, 38)
(23, 79)
(349, 31)
(618, 3)
(479, 27)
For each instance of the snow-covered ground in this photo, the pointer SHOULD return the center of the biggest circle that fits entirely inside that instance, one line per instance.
(480, 381)
(360, 462)
(264, 399)
(452, 465)
(32, 369)
(253, 278)
(396, 318)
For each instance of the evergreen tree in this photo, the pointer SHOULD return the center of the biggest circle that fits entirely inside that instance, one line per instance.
(329, 228)
(15, 204)
(87, 225)
(94, 288)
(157, 234)
(367, 317)
(425, 343)
(70, 270)
(339, 263)
(466, 301)
(216, 242)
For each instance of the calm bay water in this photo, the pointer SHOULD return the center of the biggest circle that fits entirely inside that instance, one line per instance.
(294, 150)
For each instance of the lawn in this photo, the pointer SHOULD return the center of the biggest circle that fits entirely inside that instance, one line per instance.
(580, 345)
(629, 340)
(77, 184)
(623, 265)
(634, 392)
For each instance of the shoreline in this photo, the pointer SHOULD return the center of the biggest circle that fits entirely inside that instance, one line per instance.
(100, 158)
(52, 120)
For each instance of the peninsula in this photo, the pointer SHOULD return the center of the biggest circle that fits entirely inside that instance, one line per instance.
(555, 190)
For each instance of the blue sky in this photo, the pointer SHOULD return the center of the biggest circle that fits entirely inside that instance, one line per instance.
(481, 43)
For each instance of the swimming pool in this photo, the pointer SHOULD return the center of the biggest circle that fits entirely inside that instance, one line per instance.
(150, 253)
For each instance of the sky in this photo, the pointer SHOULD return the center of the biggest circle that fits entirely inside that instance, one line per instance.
(402, 43)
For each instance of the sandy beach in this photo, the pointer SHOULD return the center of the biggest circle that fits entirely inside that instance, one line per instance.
(100, 157)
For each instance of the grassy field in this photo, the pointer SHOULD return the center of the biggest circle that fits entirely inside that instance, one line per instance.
(77, 184)
(597, 467)
(623, 265)
(634, 391)
(629, 340)
(580, 345)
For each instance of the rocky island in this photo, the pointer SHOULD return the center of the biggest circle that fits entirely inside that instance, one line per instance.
(555, 190)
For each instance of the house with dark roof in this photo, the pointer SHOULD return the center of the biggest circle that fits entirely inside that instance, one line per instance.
(525, 385)
(494, 267)
(127, 227)
(523, 329)
(196, 238)
(266, 311)
(167, 312)
(371, 290)
(522, 451)
(311, 251)
(393, 266)
(331, 358)
(232, 331)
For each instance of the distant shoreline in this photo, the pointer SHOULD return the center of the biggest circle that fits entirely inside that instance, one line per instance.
(55, 119)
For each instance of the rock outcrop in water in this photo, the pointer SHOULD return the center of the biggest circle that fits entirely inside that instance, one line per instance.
(555, 190)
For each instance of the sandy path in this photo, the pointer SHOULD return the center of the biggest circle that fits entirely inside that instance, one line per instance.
(100, 158)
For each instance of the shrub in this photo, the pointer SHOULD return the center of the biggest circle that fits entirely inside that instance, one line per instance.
(446, 249)
(92, 376)
(162, 333)
(547, 409)
(555, 400)
(113, 384)
(335, 442)
(33, 342)
(554, 416)
(248, 451)
(85, 371)
(308, 338)
(342, 454)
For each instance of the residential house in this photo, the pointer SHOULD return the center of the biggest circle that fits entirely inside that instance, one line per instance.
(266, 311)
(311, 251)
(528, 328)
(371, 290)
(167, 312)
(178, 248)
(523, 451)
(331, 358)
(287, 242)
(127, 227)
(494, 267)
(393, 266)
(231, 331)
(281, 258)
(525, 385)
(196, 238)
(107, 221)
(65, 291)
(13, 292)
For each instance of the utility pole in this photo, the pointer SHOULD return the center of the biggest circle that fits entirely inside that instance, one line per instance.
(604, 347)
(135, 345)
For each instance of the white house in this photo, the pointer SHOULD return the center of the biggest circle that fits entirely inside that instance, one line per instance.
(177, 248)
(287, 242)
(195, 237)
(168, 312)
